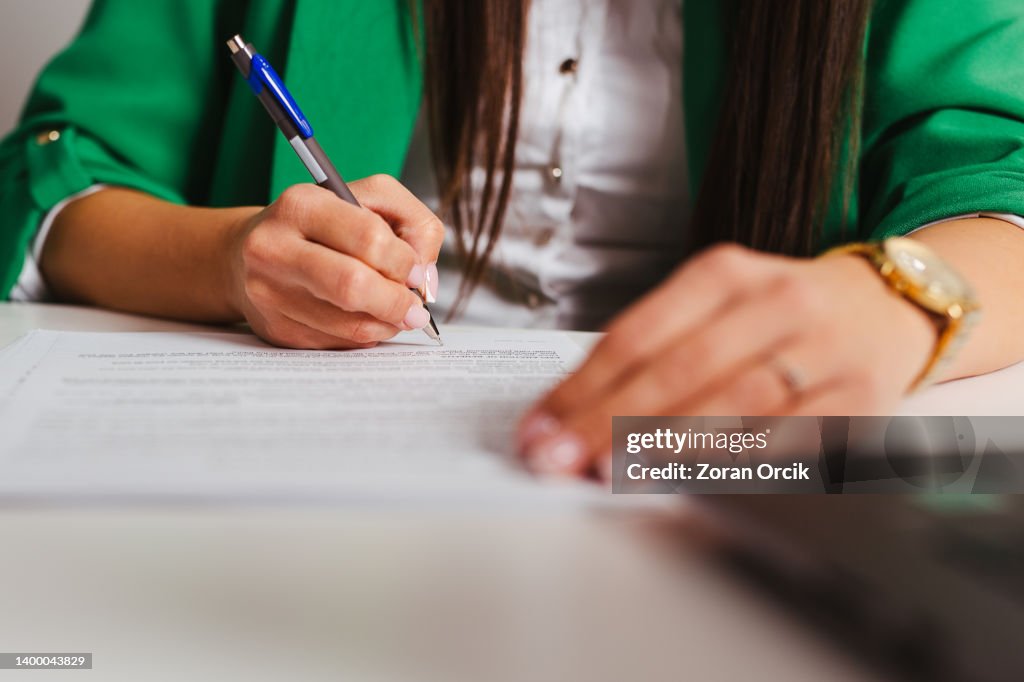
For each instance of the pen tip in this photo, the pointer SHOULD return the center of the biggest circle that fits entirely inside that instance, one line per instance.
(439, 341)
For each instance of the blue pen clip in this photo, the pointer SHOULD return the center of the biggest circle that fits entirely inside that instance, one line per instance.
(262, 74)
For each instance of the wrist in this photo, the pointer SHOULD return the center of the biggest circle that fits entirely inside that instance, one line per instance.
(903, 329)
(231, 271)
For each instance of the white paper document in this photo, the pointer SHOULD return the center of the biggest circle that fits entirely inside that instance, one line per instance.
(198, 415)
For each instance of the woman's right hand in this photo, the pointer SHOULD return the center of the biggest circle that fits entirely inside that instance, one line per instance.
(312, 271)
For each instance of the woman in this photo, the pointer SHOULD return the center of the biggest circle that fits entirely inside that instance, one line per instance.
(581, 155)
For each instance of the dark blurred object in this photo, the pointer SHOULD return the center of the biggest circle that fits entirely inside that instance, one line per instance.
(931, 586)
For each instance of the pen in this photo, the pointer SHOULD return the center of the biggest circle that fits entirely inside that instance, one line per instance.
(271, 92)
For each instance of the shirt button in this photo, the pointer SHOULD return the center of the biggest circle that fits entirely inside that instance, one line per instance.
(543, 237)
(569, 66)
(47, 137)
(556, 173)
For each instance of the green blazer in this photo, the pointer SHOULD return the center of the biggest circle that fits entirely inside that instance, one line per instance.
(146, 97)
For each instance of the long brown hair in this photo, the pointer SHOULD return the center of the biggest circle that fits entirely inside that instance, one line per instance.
(796, 73)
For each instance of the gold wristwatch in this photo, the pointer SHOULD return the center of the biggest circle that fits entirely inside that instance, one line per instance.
(915, 272)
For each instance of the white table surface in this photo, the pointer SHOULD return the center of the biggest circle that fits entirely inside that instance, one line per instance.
(336, 592)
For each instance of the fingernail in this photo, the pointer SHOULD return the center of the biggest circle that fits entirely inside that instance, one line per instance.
(417, 317)
(536, 426)
(416, 277)
(432, 282)
(558, 455)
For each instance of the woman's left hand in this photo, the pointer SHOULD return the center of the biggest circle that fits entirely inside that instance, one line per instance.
(736, 332)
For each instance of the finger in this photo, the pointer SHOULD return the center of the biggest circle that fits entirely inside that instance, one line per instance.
(351, 285)
(692, 296)
(409, 217)
(582, 445)
(573, 446)
(359, 232)
(773, 384)
(360, 328)
(743, 363)
(739, 332)
(758, 389)
(285, 332)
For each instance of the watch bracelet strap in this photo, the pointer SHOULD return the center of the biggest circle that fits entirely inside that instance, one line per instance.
(951, 340)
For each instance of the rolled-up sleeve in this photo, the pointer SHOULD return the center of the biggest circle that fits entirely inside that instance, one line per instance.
(943, 119)
(128, 103)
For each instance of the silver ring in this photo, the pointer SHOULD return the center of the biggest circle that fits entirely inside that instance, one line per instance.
(791, 376)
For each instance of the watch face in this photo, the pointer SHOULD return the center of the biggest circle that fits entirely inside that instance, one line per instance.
(935, 284)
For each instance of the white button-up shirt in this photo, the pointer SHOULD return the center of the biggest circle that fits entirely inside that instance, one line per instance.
(599, 204)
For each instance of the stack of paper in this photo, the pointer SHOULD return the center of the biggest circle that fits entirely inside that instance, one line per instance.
(201, 415)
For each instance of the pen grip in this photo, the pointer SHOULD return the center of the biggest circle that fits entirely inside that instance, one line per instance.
(333, 181)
